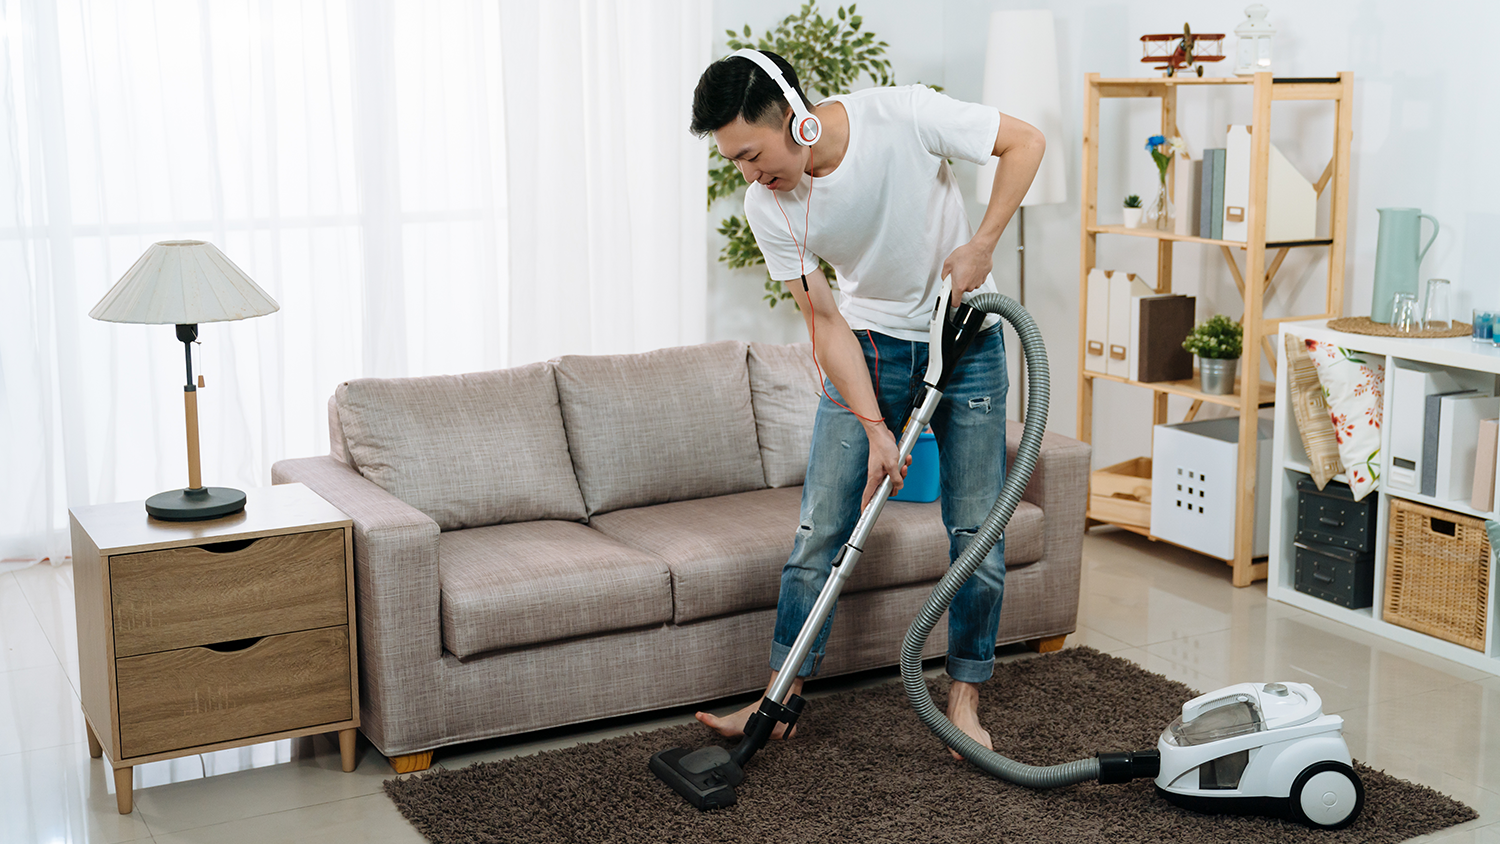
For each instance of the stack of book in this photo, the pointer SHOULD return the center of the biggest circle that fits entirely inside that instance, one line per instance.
(1213, 195)
(1443, 435)
(1133, 332)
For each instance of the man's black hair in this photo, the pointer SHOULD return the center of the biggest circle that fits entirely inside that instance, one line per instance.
(735, 86)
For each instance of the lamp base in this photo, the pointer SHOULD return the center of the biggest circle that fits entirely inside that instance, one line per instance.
(192, 505)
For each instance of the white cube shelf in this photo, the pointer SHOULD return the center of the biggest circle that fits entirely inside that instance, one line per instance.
(1195, 467)
(1471, 364)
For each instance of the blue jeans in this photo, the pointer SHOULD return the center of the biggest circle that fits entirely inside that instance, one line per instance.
(970, 428)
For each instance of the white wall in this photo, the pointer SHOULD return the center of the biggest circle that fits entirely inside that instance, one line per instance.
(1426, 118)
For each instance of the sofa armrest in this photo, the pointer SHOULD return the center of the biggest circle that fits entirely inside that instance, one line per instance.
(1060, 487)
(397, 598)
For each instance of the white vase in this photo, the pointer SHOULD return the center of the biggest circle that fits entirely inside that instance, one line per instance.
(1133, 218)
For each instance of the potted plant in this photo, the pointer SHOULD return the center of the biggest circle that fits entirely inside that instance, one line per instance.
(1217, 343)
(1133, 211)
(830, 54)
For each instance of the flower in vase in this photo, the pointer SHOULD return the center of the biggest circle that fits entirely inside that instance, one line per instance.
(1162, 149)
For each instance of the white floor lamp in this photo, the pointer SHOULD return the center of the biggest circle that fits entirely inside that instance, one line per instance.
(1021, 80)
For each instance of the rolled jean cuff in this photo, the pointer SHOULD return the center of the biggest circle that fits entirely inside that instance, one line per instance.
(970, 670)
(810, 665)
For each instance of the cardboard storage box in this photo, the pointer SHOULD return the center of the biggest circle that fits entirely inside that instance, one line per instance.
(1331, 516)
(1341, 575)
(1196, 465)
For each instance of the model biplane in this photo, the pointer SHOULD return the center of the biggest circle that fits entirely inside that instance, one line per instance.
(1190, 52)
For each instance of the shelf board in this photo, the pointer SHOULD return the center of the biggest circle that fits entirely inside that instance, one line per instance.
(1125, 87)
(1451, 352)
(1299, 466)
(1364, 619)
(1189, 389)
(1132, 528)
(1442, 504)
(1238, 244)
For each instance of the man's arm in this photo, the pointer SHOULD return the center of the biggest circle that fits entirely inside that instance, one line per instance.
(1019, 146)
(839, 354)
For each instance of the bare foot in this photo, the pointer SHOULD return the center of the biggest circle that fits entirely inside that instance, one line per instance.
(733, 724)
(963, 711)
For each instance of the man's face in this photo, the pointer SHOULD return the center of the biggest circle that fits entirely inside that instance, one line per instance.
(764, 154)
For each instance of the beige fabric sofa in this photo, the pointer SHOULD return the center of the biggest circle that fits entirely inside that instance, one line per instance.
(602, 535)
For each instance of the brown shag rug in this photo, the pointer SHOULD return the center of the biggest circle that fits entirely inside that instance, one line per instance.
(863, 768)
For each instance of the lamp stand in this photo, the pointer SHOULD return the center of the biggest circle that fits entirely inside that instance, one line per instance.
(1021, 299)
(197, 502)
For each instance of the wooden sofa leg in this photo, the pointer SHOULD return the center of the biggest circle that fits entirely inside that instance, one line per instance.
(411, 762)
(1047, 646)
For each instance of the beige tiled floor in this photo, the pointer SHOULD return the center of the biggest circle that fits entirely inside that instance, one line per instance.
(1415, 716)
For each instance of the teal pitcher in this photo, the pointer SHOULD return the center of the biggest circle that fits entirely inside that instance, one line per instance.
(1397, 257)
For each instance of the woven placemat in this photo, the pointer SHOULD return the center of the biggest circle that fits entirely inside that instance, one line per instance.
(1364, 325)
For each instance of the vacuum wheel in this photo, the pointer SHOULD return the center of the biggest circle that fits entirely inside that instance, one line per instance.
(1328, 795)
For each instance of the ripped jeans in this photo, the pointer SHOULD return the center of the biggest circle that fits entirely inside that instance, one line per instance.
(970, 428)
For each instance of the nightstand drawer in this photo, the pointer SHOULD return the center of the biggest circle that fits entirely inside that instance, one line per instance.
(202, 594)
(200, 696)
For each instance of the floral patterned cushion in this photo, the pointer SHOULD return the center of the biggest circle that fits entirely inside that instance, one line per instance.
(1354, 385)
(1310, 408)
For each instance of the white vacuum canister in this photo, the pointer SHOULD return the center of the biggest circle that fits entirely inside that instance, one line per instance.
(1261, 748)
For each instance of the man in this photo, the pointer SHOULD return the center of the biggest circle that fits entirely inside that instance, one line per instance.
(874, 196)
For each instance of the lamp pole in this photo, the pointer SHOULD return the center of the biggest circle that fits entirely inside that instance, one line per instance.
(187, 334)
(1021, 299)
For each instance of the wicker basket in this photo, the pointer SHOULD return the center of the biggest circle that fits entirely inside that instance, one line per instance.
(1437, 573)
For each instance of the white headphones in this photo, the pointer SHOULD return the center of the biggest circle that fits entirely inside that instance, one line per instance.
(806, 128)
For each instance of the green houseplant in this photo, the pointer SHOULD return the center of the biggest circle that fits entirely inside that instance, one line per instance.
(830, 55)
(1218, 343)
(1133, 211)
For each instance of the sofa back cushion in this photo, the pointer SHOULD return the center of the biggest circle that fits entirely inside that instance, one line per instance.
(468, 450)
(662, 426)
(784, 388)
(338, 448)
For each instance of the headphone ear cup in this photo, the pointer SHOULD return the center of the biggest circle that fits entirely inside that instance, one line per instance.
(809, 129)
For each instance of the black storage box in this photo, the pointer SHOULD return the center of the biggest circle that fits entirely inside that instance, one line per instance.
(1340, 575)
(1331, 516)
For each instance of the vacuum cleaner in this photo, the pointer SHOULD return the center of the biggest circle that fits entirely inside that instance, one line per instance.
(1246, 749)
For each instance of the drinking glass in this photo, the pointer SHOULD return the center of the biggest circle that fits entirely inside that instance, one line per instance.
(1404, 313)
(1484, 325)
(1436, 311)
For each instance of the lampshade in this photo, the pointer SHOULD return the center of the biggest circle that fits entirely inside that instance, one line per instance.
(183, 282)
(1020, 79)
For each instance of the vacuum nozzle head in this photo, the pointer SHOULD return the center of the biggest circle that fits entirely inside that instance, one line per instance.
(705, 777)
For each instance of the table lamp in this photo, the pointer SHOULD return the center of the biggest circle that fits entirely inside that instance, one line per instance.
(184, 283)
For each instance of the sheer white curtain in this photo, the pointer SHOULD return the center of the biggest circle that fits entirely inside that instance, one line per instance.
(425, 187)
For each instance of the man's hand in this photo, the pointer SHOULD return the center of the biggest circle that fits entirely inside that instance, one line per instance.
(968, 266)
(883, 454)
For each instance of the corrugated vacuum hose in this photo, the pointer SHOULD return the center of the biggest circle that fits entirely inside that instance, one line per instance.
(1106, 767)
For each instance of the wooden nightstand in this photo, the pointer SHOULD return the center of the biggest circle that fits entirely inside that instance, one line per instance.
(200, 636)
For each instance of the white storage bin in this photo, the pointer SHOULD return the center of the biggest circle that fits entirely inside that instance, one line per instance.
(1193, 483)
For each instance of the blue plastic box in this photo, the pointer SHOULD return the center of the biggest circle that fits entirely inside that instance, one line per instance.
(922, 481)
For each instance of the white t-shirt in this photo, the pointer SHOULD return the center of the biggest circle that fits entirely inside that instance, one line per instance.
(890, 214)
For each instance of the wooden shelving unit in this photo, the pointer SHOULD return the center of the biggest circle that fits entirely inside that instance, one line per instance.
(1260, 330)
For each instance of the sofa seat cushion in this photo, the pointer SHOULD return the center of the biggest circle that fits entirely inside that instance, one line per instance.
(506, 586)
(669, 425)
(726, 553)
(468, 450)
